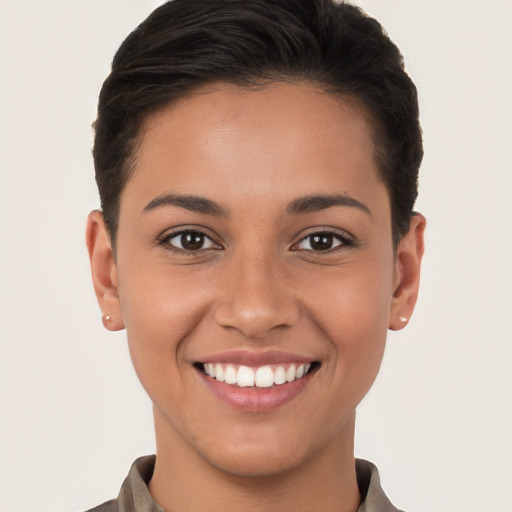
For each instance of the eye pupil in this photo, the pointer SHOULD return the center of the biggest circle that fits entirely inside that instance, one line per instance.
(321, 242)
(192, 241)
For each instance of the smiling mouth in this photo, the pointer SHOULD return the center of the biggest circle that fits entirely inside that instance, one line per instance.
(262, 377)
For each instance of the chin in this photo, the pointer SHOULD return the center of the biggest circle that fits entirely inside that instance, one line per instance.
(257, 463)
(262, 452)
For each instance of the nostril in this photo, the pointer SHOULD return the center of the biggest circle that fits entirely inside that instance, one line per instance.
(255, 323)
(257, 307)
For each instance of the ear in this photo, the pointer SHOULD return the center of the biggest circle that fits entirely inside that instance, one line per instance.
(104, 271)
(407, 273)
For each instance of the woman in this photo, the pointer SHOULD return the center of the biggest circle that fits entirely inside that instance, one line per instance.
(257, 165)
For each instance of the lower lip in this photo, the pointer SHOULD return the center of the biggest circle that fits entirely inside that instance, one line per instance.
(256, 399)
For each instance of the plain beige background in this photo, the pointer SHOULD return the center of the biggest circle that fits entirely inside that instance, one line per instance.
(72, 415)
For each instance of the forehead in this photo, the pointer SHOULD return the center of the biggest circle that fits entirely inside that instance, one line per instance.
(281, 139)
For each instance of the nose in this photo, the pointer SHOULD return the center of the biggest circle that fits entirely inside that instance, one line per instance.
(257, 297)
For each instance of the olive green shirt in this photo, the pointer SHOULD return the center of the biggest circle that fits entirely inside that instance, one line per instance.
(134, 495)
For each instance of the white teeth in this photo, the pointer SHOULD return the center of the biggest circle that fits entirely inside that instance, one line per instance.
(219, 373)
(290, 373)
(264, 377)
(245, 377)
(230, 375)
(280, 376)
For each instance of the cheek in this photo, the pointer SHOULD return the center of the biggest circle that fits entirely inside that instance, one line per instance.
(354, 298)
(351, 306)
(356, 324)
(161, 310)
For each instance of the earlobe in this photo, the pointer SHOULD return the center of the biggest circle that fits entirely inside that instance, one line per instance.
(104, 271)
(407, 273)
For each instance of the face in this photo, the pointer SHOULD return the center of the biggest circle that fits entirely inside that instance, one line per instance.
(255, 274)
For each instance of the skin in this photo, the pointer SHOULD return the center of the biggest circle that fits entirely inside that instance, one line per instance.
(258, 286)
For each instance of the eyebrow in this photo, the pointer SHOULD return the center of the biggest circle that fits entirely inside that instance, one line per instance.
(189, 202)
(316, 203)
(306, 204)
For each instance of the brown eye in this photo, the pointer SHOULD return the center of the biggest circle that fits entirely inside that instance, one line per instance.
(322, 242)
(191, 241)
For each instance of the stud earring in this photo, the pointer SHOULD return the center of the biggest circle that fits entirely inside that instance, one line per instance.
(107, 318)
(403, 319)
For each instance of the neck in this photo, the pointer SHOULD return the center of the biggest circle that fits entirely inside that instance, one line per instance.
(185, 481)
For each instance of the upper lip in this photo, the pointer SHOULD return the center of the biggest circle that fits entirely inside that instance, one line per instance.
(250, 358)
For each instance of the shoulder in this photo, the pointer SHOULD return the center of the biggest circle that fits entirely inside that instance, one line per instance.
(108, 506)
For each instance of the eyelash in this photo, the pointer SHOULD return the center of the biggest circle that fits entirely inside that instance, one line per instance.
(165, 241)
(344, 242)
